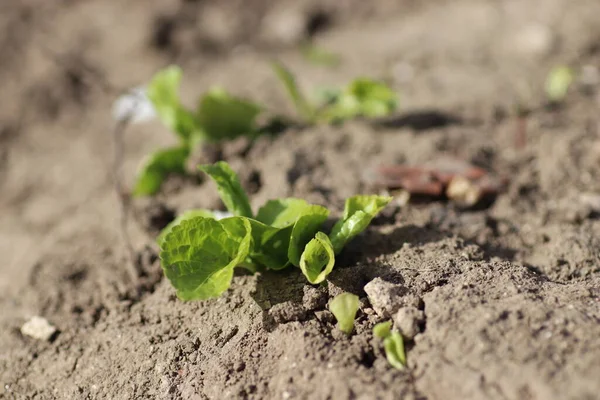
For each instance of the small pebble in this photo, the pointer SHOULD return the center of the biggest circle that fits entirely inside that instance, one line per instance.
(38, 328)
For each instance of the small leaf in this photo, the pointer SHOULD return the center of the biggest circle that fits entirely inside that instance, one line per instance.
(359, 211)
(304, 108)
(558, 82)
(344, 307)
(157, 166)
(394, 350)
(229, 187)
(223, 116)
(163, 92)
(363, 97)
(318, 259)
(198, 255)
(382, 329)
(186, 215)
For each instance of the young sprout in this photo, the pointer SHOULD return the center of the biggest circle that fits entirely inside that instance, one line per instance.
(382, 329)
(344, 307)
(394, 350)
(558, 82)
(199, 251)
(393, 344)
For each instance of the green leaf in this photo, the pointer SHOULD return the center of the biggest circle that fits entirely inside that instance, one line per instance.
(304, 230)
(363, 97)
(319, 56)
(198, 255)
(382, 329)
(394, 350)
(305, 218)
(318, 259)
(223, 116)
(155, 168)
(303, 106)
(163, 92)
(359, 211)
(558, 82)
(270, 245)
(185, 216)
(344, 307)
(229, 187)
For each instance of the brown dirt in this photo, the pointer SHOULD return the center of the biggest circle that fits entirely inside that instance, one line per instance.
(510, 294)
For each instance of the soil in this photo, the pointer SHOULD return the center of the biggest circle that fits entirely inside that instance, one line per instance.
(508, 296)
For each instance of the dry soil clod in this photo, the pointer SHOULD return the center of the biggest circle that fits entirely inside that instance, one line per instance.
(408, 321)
(386, 297)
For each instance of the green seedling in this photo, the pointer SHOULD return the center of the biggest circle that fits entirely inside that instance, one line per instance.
(382, 329)
(199, 253)
(219, 117)
(558, 82)
(393, 344)
(344, 307)
(319, 56)
(363, 97)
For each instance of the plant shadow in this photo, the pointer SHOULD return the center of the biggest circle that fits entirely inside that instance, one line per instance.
(420, 120)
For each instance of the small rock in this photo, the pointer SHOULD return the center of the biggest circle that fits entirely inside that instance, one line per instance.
(314, 298)
(386, 297)
(38, 328)
(407, 320)
(287, 312)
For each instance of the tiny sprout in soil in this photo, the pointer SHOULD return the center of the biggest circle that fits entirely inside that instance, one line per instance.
(344, 307)
(393, 344)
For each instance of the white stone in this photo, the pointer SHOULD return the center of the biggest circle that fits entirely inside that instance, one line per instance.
(133, 106)
(38, 328)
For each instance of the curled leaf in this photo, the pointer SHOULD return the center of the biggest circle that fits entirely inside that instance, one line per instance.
(344, 307)
(318, 259)
(305, 218)
(359, 211)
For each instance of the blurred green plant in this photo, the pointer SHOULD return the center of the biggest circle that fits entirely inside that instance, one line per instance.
(393, 344)
(363, 97)
(218, 117)
(344, 307)
(558, 82)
